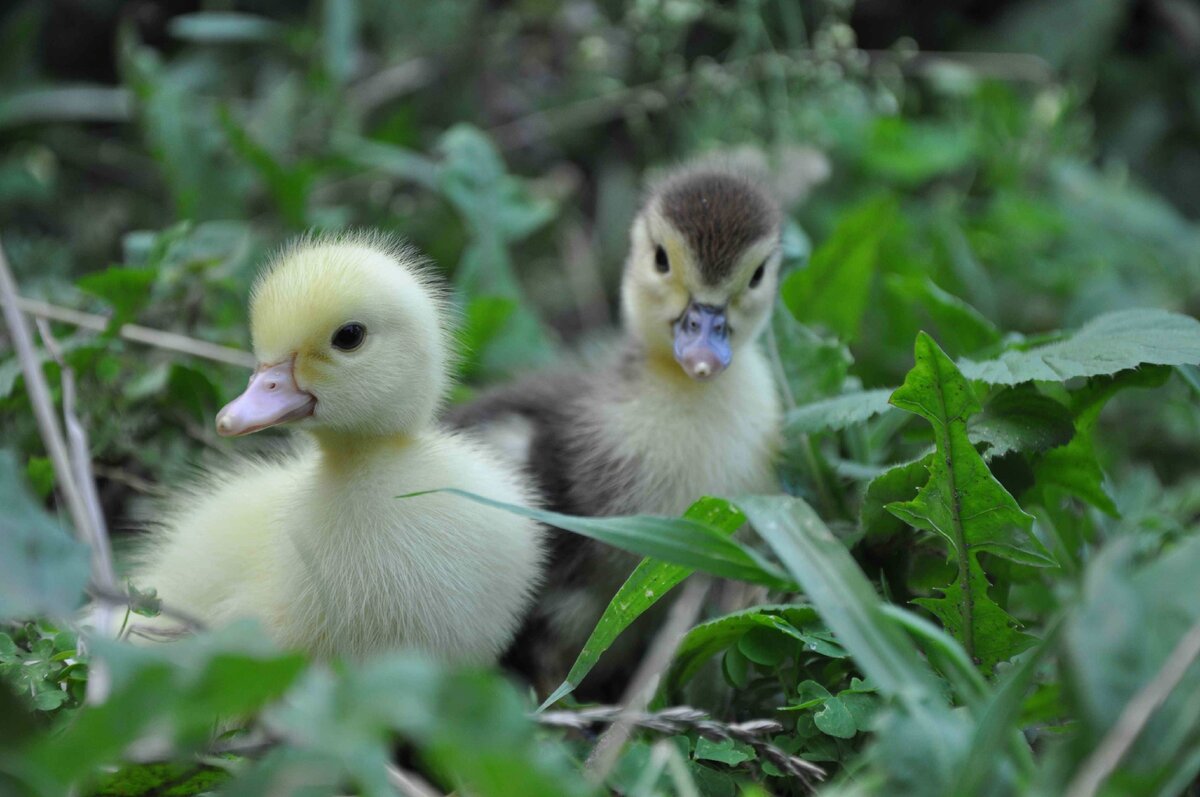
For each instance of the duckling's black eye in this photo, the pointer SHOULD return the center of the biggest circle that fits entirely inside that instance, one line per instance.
(349, 336)
(757, 276)
(660, 261)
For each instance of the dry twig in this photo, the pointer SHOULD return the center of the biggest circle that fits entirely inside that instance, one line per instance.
(681, 719)
(135, 333)
(39, 398)
(1105, 758)
(637, 696)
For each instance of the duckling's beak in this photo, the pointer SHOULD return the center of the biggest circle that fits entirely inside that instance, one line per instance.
(271, 398)
(702, 341)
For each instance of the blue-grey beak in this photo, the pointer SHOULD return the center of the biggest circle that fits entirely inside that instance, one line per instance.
(702, 341)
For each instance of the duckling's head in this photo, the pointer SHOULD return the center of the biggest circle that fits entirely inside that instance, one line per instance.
(350, 339)
(703, 266)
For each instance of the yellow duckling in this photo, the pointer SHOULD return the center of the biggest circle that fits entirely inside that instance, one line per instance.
(353, 347)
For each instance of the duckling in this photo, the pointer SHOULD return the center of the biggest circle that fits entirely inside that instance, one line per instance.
(686, 407)
(353, 347)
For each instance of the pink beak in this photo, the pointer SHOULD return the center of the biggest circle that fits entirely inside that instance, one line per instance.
(271, 398)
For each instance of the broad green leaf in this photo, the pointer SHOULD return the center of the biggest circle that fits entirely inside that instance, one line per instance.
(1105, 345)
(709, 638)
(174, 692)
(911, 152)
(474, 178)
(765, 647)
(835, 286)
(814, 367)
(171, 778)
(288, 185)
(681, 541)
(485, 318)
(646, 585)
(1021, 419)
(835, 719)
(841, 594)
(43, 570)
(897, 484)
(988, 633)
(1074, 468)
(126, 290)
(956, 320)
(726, 752)
(966, 505)
(839, 412)
(962, 501)
(471, 727)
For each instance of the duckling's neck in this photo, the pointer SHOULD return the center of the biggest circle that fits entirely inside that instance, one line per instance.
(340, 449)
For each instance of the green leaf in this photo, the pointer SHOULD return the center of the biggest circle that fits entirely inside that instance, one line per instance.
(736, 668)
(646, 585)
(43, 570)
(176, 780)
(835, 719)
(962, 501)
(126, 290)
(839, 412)
(766, 647)
(966, 505)
(471, 727)
(813, 366)
(1021, 419)
(726, 752)
(840, 592)
(896, 484)
(681, 541)
(177, 690)
(1074, 468)
(988, 633)
(956, 320)
(835, 287)
(191, 388)
(709, 638)
(910, 153)
(485, 318)
(288, 186)
(1105, 345)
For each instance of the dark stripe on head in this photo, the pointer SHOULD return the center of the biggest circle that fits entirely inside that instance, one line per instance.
(719, 214)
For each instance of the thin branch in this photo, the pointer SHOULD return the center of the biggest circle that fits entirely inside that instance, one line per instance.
(637, 696)
(39, 398)
(135, 333)
(1120, 738)
(81, 467)
(410, 784)
(682, 719)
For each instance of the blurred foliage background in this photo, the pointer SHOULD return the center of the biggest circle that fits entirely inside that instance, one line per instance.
(987, 172)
